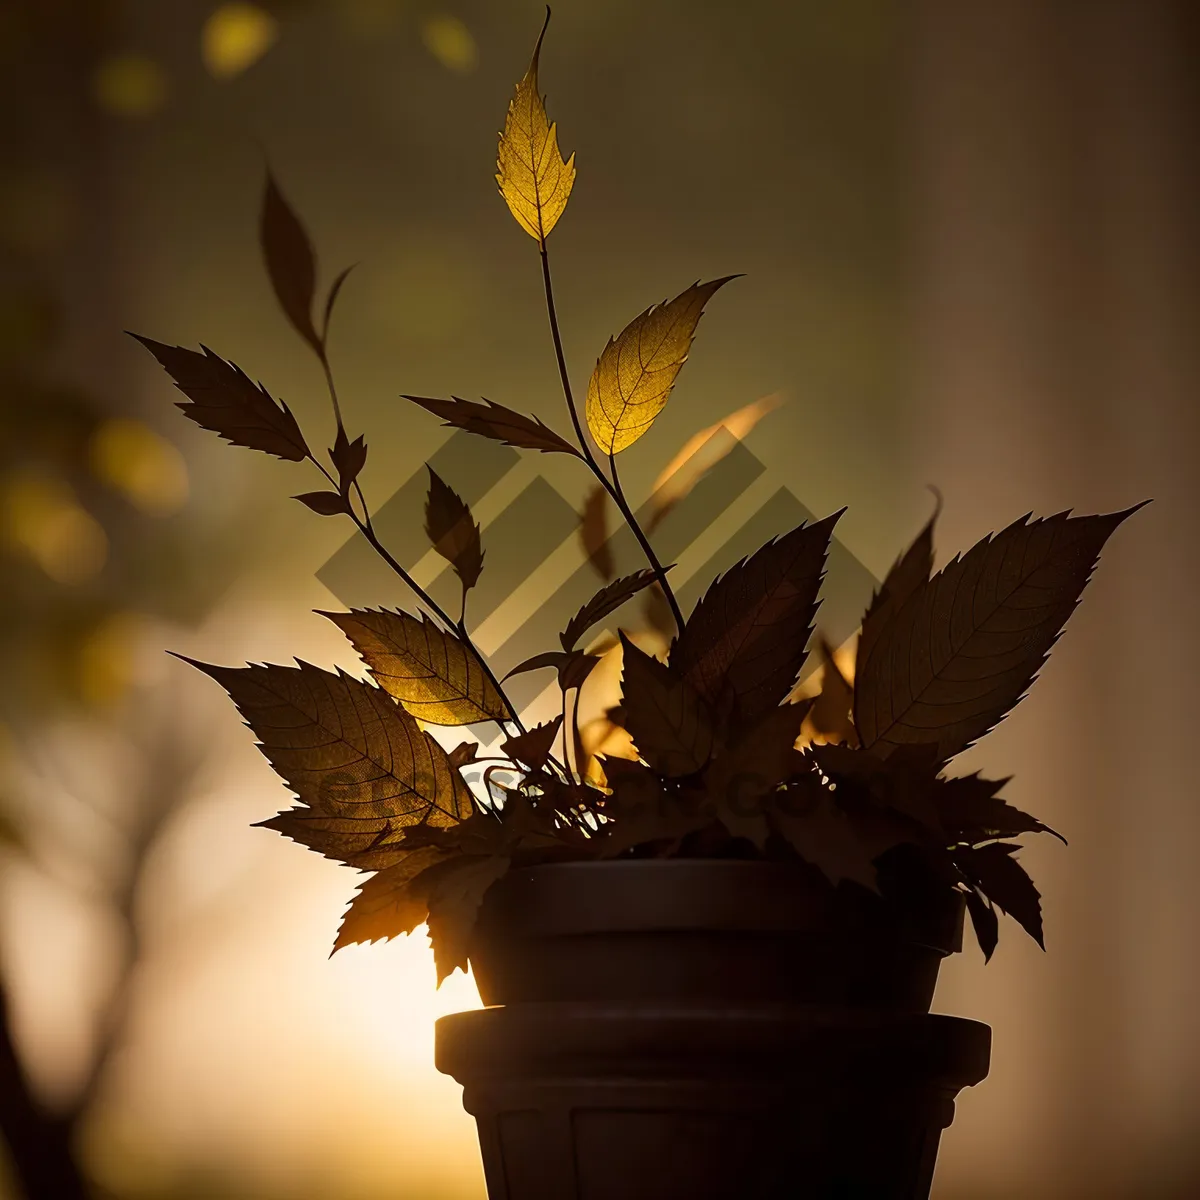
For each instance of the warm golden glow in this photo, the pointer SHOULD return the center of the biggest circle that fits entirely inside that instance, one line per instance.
(41, 517)
(450, 42)
(130, 85)
(235, 37)
(105, 664)
(148, 470)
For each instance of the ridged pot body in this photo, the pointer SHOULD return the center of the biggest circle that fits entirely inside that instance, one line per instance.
(705, 1029)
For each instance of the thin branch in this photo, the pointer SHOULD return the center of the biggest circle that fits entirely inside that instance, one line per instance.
(613, 486)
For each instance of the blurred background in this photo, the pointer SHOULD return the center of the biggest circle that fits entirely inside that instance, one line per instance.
(969, 235)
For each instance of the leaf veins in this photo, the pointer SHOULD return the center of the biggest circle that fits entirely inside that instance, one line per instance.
(533, 179)
(637, 370)
(224, 400)
(435, 675)
(968, 643)
(452, 530)
(604, 603)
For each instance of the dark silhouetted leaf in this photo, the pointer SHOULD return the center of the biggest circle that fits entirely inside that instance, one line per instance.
(533, 179)
(345, 748)
(551, 658)
(740, 778)
(657, 609)
(334, 292)
(593, 532)
(637, 369)
(533, 747)
(749, 631)
(348, 457)
(984, 921)
(971, 811)
(908, 791)
(435, 675)
(968, 643)
(452, 530)
(328, 504)
(669, 723)
(908, 572)
(453, 906)
(498, 423)
(831, 712)
(640, 812)
(290, 261)
(574, 670)
(225, 401)
(463, 753)
(603, 604)
(393, 902)
(1003, 880)
(367, 843)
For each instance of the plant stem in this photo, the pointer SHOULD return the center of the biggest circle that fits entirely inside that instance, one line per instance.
(613, 486)
(333, 396)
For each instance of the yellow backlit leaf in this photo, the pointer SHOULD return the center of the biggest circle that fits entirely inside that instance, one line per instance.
(450, 42)
(131, 458)
(235, 37)
(635, 374)
(130, 85)
(533, 179)
(434, 675)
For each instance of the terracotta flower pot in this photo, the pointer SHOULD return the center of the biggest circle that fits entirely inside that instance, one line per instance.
(709, 1028)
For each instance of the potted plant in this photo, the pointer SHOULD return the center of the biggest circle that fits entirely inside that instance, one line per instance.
(707, 956)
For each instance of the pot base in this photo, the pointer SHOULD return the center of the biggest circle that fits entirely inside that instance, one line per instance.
(589, 1102)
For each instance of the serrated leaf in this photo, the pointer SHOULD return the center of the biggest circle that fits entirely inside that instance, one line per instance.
(749, 631)
(453, 906)
(452, 530)
(1003, 880)
(670, 724)
(831, 710)
(346, 749)
(494, 421)
(984, 921)
(908, 572)
(393, 902)
(603, 604)
(435, 675)
(593, 532)
(291, 263)
(637, 370)
(971, 811)
(533, 178)
(968, 643)
(533, 747)
(224, 400)
(327, 504)
(349, 458)
(369, 844)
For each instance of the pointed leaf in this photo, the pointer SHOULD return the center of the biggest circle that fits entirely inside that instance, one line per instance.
(750, 629)
(984, 921)
(603, 604)
(551, 658)
(367, 843)
(452, 530)
(968, 643)
(533, 747)
(971, 811)
(1003, 880)
(593, 532)
(393, 902)
(435, 675)
(454, 902)
(334, 292)
(349, 457)
(498, 423)
(670, 724)
(908, 572)
(327, 504)
(224, 400)
(533, 179)
(345, 748)
(831, 712)
(636, 372)
(290, 261)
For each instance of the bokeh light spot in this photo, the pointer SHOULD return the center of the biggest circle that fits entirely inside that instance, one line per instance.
(130, 85)
(450, 42)
(105, 664)
(149, 471)
(235, 37)
(42, 517)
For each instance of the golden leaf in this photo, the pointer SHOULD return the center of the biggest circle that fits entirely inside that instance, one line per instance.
(346, 748)
(533, 179)
(435, 676)
(635, 374)
(394, 901)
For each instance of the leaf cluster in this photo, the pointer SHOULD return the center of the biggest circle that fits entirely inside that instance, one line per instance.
(724, 757)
